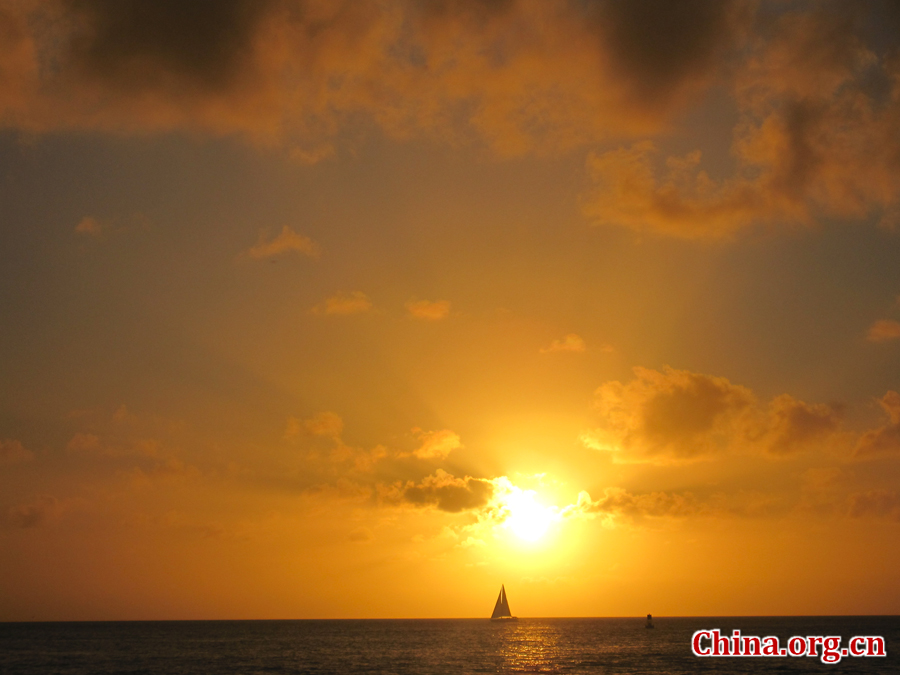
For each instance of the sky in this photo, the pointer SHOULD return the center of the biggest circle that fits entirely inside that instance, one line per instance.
(333, 309)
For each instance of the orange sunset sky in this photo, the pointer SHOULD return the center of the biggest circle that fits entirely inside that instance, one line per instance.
(323, 308)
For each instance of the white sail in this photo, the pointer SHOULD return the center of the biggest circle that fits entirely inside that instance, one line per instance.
(501, 609)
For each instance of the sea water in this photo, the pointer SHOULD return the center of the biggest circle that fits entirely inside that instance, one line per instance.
(578, 645)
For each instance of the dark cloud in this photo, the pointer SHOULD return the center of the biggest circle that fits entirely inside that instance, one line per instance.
(673, 415)
(815, 138)
(875, 504)
(268, 69)
(136, 44)
(480, 10)
(658, 45)
(442, 490)
(361, 535)
(13, 452)
(815, 86)
(794, 425)
(885, 440)
(34, 513)
(619, 502)
(677, 416)
(522, 76)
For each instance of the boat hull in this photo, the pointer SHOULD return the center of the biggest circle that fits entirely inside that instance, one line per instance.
(505, 618)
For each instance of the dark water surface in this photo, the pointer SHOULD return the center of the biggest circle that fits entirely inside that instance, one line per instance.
(607, 646)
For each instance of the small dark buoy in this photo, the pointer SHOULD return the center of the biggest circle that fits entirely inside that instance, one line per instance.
(649, 623)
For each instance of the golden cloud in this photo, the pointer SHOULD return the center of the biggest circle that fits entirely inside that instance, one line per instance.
(163, 469)
(814, 140)
(326, 424)
(342, 304)
(361, 535)
(570, 343)
(435, 444)
(883, 330)
(680, 416)
(428, 310)
(793, 425)
(325, 430)
(674, 415)
(884, 440)
(85, 444)
(287, 240)
(89, 226)
(144, 449)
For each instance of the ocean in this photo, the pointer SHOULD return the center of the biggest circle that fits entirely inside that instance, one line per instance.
(578, 645)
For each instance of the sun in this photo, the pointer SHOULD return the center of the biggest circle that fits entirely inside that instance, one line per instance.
(527, 518)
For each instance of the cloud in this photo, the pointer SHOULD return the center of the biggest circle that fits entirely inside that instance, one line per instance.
(122, 40)
(435, 444)
(619, 502)
(85, 444)
(323, 432)
(570, 343)
(198, 528)
(813, 140)
(325, 424)
(520, 75)
(89, 226)
(665, 50)
(441, 490)
(818, 111)
(287, 240)
(124, 416)
(874, 504)
(884, 440)
(34, 513)
(544, 77)
(13, 452)
(343, 304)
(679, 416)
(122, 443)
(365, 460)
(793, 425)
(471, 542)
(684, 203)
(361, 535)
(163, 469)
(883, 330)
(673, 415)
(126, 65)
(428, 310)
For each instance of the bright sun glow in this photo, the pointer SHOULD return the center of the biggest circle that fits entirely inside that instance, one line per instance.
(527, 518)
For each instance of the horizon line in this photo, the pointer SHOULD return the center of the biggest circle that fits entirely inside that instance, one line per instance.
(457, 618)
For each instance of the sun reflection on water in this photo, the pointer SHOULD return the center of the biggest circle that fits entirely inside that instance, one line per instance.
(531, 648)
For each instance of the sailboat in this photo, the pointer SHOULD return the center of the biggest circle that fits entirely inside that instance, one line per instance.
(501, 609)
(649, 623)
